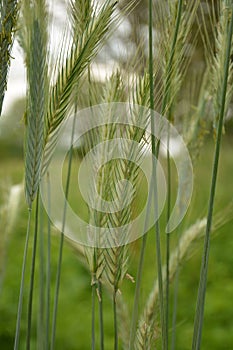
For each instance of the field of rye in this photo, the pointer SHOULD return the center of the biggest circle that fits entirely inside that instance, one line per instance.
(116, 193)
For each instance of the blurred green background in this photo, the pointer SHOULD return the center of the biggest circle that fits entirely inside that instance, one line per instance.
(74, 315)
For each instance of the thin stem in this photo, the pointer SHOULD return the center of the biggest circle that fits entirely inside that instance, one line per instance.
(175, 300)
(169, 189)
(48, 274)
(41, 330)
(94, 281)
(115, 320)
(160, 279)
(151, 63)
(155, 151)
(174, 315)
(32, 275)
(171, 58)
(164, 106)
(58, 277)
(139, 274)
(168, 237)
(199, 315)
(101, 319)
(93, 295)
(20, 303)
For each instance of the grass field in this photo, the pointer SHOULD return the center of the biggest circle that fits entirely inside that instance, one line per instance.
(74, 315)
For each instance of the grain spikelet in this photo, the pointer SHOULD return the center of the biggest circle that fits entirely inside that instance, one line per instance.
(8, 11)
(82, 50)
(36, 60)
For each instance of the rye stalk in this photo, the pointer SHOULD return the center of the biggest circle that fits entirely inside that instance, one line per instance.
(200, 306)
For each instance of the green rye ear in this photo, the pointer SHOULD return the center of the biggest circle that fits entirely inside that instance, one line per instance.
(8, 21)
(217, 63)
(36, 61)
(83, 49)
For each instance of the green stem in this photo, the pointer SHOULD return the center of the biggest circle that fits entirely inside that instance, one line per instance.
(101, 320)
(93, 295)
(160, 278)
(171, 58)
(155, 151)
(58, 277)
(32, 275)
(139, 275)
(94, 281)
(164, 106)
(20, 303)
(48, 275)
(175, 301)
(199, 315)
(115, 320)
(41, 330)
(57, 288)
(169, 191)
(168, 239)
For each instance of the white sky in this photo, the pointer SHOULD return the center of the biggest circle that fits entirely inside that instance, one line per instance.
(16, 87)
